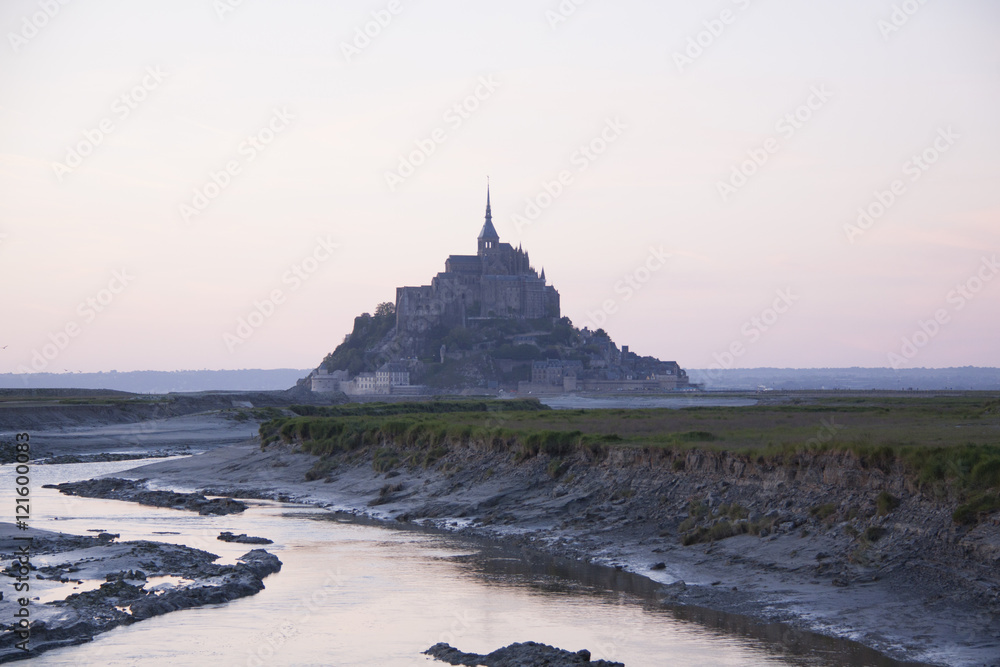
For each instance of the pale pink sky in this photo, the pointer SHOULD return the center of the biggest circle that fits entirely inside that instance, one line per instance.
(115, 115)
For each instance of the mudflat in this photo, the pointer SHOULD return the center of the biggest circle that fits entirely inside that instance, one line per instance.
(81, 586)
(914, 585)
(819, 539)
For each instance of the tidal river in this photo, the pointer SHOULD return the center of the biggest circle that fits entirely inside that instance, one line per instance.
(354, 593)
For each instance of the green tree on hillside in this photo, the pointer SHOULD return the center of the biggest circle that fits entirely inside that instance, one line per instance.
(368, 332)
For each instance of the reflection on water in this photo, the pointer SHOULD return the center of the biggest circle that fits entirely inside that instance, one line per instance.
(164, 583)
(547, 576)
(62, 591)
(356, 593)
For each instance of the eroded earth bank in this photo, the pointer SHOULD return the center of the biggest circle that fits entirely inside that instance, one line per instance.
(818, 541)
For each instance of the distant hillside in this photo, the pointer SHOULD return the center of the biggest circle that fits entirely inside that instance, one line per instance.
(963, 378)
(160, 382)
(489, 353)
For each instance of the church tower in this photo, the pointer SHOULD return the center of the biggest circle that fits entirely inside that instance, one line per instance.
(496, 283)
(488, 238)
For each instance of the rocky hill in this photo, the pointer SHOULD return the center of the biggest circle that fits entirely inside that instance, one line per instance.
(487, 353)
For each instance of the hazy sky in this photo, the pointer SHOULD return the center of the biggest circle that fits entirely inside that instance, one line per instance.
(169, 168)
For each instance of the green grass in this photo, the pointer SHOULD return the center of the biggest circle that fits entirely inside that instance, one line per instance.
(977, 506)
(733, 511)
(873, 534)
(886, 503)
(724, 529)
(947, 446)
(419, 407)
(557, 467)
(873, 430)
(824, 511)
(385, 459)
(259, 414)
(729, 520)
(110, 401)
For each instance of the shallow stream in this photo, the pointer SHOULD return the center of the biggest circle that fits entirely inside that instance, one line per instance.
(356, 593)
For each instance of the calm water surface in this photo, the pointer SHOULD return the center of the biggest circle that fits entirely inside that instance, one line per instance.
(356, 594)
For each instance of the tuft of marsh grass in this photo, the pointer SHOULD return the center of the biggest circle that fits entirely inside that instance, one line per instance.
(557, 467)
(886, 503)
(976, 508)
(823, 511)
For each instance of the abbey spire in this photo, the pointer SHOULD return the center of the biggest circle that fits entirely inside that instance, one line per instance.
(489, 213)
(496, 283)
(488, 237)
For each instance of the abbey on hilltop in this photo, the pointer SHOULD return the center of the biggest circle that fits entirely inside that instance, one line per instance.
(487, 323)
(497, 282)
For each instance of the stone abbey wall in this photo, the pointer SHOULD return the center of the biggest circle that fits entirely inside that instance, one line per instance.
(497, 282)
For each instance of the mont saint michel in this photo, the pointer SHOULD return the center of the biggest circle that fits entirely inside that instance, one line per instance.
(497, 282)
(488, 323)
(548, 334)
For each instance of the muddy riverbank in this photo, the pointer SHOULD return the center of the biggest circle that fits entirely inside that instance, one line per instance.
(813, 544)
(82, 586)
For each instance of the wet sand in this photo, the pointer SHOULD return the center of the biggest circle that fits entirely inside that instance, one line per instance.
(908, 611)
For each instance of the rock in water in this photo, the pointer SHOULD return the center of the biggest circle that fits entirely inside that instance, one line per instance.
(242, 538)
(132, 490)
(526, 654)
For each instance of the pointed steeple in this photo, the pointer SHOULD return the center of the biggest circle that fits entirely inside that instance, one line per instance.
(488, 237)
(489, 213)
(543, 275)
